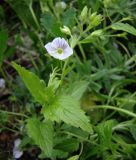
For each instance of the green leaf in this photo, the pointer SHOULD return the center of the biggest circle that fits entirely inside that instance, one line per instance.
(133, 131)
(50, 24)
(68, 18)
(42, 134)
(124, 27)
(104, 131)
(67, 109)
(74, 157)
(68, 145)
(24, 12)
(93, 36)
(37, 87)
(76, 89)
(3, 43)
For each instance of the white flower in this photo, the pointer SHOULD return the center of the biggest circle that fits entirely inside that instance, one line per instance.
(59, 48)
(2, 83)
(17, 153)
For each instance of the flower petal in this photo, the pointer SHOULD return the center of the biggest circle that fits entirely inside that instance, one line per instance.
(50, 48)
(17, 153)
(60, 43)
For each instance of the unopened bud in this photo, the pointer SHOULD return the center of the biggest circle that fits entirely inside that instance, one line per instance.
(61, 5)
(97, 33)
(65, 30)
(83, 14)
(95, 19)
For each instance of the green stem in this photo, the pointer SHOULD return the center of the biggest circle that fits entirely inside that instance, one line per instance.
(77, 136)
(34, 17)
(33, 62)
(3, 74)
(116, 109)
(82, 52)
(63, 70)
(12, 130)
(14, 113)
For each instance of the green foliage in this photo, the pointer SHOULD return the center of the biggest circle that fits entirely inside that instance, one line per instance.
(68, 145)
(42, 134)
(49, 23)
(124, 27)
(73, 158)
(133, 131)
(84, 107)
(25, 12)
(68, 18)
(3, 44)
(67, 109)
(104, 131)
(62, 107)
(36, 86)
(77, 89)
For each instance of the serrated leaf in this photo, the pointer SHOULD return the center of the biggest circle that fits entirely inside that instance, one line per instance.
(68, 18)
(50, 24)
(42, 134)
(124, 27)
(67, 109)
(36, 86)
(104, 131)
(76, 89)
(68, 145)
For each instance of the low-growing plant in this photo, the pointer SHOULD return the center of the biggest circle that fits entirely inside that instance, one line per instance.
(82, 84)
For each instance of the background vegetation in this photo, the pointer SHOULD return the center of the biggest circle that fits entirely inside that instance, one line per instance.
(95, 92)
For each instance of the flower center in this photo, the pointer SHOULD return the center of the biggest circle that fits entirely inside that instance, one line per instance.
(60, 50)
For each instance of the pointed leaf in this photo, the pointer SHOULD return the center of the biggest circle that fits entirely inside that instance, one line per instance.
(50, 24)
(67, 109)
(42, 134)
(77, 89)
(124, 27)
(36, 86)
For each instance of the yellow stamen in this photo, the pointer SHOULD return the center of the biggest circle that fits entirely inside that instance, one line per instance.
(60, 50)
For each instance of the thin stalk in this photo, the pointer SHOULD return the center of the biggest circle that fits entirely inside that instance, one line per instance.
(10, 129)
(14, 113)
(3, 74)
(82, 52)
(34, 17)
(63, 70)
(116, 109)
(33, 62)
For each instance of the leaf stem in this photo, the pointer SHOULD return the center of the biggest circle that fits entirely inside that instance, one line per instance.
(14, 113)
(63, 70)
(116, 109)
(82, 52)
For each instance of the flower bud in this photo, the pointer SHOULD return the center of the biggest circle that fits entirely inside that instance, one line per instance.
(61, 5)
(65, 30)
(95, 19)
(97, 33)
(83, 14)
